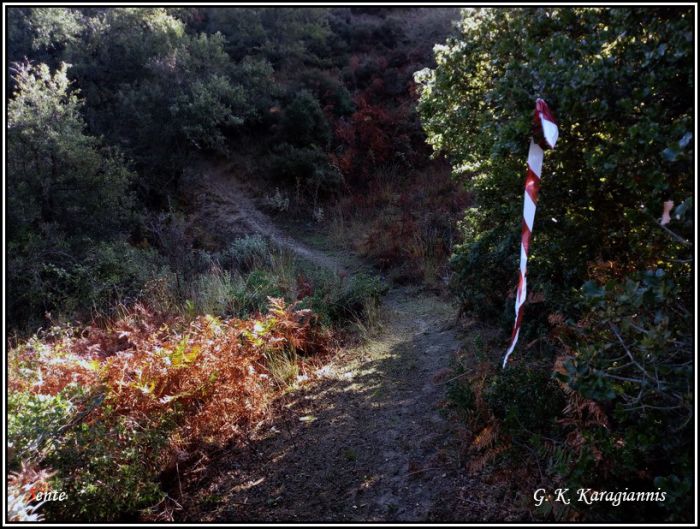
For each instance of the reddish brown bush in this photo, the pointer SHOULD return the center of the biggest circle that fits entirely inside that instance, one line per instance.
(214, 372)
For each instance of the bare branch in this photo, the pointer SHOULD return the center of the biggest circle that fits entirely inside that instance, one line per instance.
(629, 354)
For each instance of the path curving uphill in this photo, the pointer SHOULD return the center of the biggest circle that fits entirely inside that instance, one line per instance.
(223, 199)
(365, 439)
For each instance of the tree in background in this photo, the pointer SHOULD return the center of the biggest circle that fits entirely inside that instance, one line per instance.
(67, 192)
(42, 33)
(145, 76)
(287, 37)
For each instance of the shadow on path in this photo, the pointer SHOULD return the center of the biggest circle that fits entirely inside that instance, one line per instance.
(367, 438)
(365, 441)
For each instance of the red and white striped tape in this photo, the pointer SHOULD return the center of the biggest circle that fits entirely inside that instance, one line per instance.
(543, 118)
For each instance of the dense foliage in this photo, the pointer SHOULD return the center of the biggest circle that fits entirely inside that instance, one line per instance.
(611, 288)
(69, 196)
(321, 99)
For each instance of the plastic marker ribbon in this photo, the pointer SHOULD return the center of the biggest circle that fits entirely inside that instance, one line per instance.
(543, 120)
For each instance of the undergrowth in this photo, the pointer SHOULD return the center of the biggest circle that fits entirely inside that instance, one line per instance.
(405, 224)
(106, 411)
(547, 424)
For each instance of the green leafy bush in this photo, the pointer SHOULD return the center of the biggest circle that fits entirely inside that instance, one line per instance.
(69, 281)
(527, 401)
(634, 355)
(251, 296)
(308, 168)
(108, 469)
(461, 394)
(613, 287)
(337, 300)
(356, 293)
(619, 82)
(104, 470)
(303, 123)
(34, 420)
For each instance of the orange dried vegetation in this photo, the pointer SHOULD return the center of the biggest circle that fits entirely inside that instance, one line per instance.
(210, 375)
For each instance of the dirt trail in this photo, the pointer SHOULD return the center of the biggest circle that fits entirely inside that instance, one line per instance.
(365, 439)
(229, 206)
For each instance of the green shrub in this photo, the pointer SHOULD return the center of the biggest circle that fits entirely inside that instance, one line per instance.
(248, 253)
(251, 296)
(306, 167)
(259, 274)
(303, 123)
(108, 472)
(615, 287)
(357, 293)
(634, 355)
(213, 293)
(460, 393)
(50, 276)
(526, 400)
(34, 420)
(484, 294)
(336, 300)
(620, 83)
